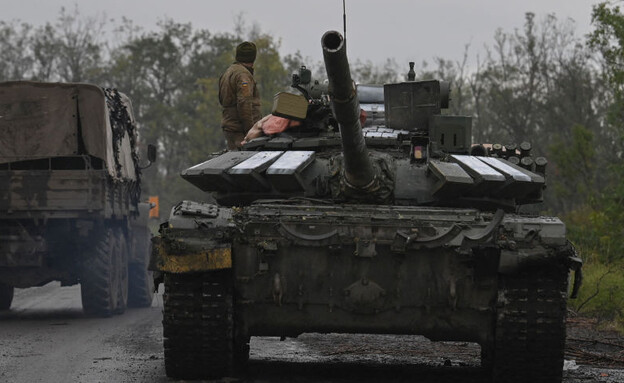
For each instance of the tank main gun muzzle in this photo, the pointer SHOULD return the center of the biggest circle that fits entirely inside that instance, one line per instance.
(359, 171)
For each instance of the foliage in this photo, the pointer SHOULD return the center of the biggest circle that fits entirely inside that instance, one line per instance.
(602, 293)
(368, 73)
(172, 77)
(70, 50)
(529, 84)
(538, 84)
(15, 59)
(597, 231)
(608, 38)
(575, 171)
(597, 224)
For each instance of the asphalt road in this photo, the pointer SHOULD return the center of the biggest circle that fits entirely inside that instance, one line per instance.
(45, 337)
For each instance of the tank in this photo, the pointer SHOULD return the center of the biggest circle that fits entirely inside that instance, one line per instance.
(375, 215)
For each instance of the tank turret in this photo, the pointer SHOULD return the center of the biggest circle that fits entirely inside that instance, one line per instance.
(408, 153)
(358, 170)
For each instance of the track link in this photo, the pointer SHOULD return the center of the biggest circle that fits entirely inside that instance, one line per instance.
(198, 325)
(530, 327)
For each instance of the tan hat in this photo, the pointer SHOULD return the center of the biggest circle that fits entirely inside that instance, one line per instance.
(246, 52)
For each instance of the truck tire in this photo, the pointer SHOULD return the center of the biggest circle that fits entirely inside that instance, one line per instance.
(141, 280)
(100, 282)
(6, 296)
(198, 326)
(141, 289)
(122, 267)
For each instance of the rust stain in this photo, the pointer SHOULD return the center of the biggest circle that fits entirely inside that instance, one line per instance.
(213, 259)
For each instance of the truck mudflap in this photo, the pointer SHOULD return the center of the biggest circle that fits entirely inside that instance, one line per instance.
(22, 250)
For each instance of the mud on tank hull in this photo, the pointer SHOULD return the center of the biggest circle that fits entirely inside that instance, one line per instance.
(497, 279)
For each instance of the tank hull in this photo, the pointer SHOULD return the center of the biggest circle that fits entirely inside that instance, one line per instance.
(282, 270)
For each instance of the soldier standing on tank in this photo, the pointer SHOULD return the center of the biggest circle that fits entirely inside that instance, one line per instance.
(238, 96)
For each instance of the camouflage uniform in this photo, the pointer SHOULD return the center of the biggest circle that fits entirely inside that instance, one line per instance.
(238, 95)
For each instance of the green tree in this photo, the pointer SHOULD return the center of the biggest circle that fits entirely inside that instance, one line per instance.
(78, 43)
(44, 46)
(70, 50)
(172, 75)
(16, 59)
(575, 173)
(537, 84)
(608, 39)
(603, 231)
(160, 71)
(365, 72)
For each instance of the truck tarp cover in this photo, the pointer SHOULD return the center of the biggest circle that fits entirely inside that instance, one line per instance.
(40, 120)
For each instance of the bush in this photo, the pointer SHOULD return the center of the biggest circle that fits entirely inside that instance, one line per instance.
(602, 293)
(597, 233)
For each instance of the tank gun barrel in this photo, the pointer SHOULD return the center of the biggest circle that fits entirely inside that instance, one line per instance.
(346, 108)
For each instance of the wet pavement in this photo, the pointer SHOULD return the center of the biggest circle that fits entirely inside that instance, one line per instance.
(45, 337)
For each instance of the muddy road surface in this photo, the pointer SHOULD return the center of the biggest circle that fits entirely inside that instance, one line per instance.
(45, 337)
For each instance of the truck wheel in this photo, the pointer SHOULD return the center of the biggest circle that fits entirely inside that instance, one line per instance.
(100, 282)
(121, 267)
(141, 280)
(141, 291)
(530, 327)
(198, 326)
(486, 357)
(6, 296)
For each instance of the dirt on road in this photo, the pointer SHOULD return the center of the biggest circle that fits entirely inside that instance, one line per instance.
(45, 337)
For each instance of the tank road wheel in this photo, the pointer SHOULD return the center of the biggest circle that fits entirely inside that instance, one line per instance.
(100, 283)
(530, 327)
(198, 326)
(6, 296)
(141, 280)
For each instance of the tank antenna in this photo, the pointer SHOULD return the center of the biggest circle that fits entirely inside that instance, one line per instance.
(344, 18)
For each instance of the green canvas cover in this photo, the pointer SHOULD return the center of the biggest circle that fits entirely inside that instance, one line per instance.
(41, 120)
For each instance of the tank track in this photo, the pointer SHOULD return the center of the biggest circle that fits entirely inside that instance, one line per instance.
(198, 325)
(530, 327)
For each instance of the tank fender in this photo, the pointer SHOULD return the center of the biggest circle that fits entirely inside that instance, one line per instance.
(514, 261)
(195, 239)
(166, 257)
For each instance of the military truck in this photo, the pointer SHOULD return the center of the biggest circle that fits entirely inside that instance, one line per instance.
(400, 227)
(70, 190)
